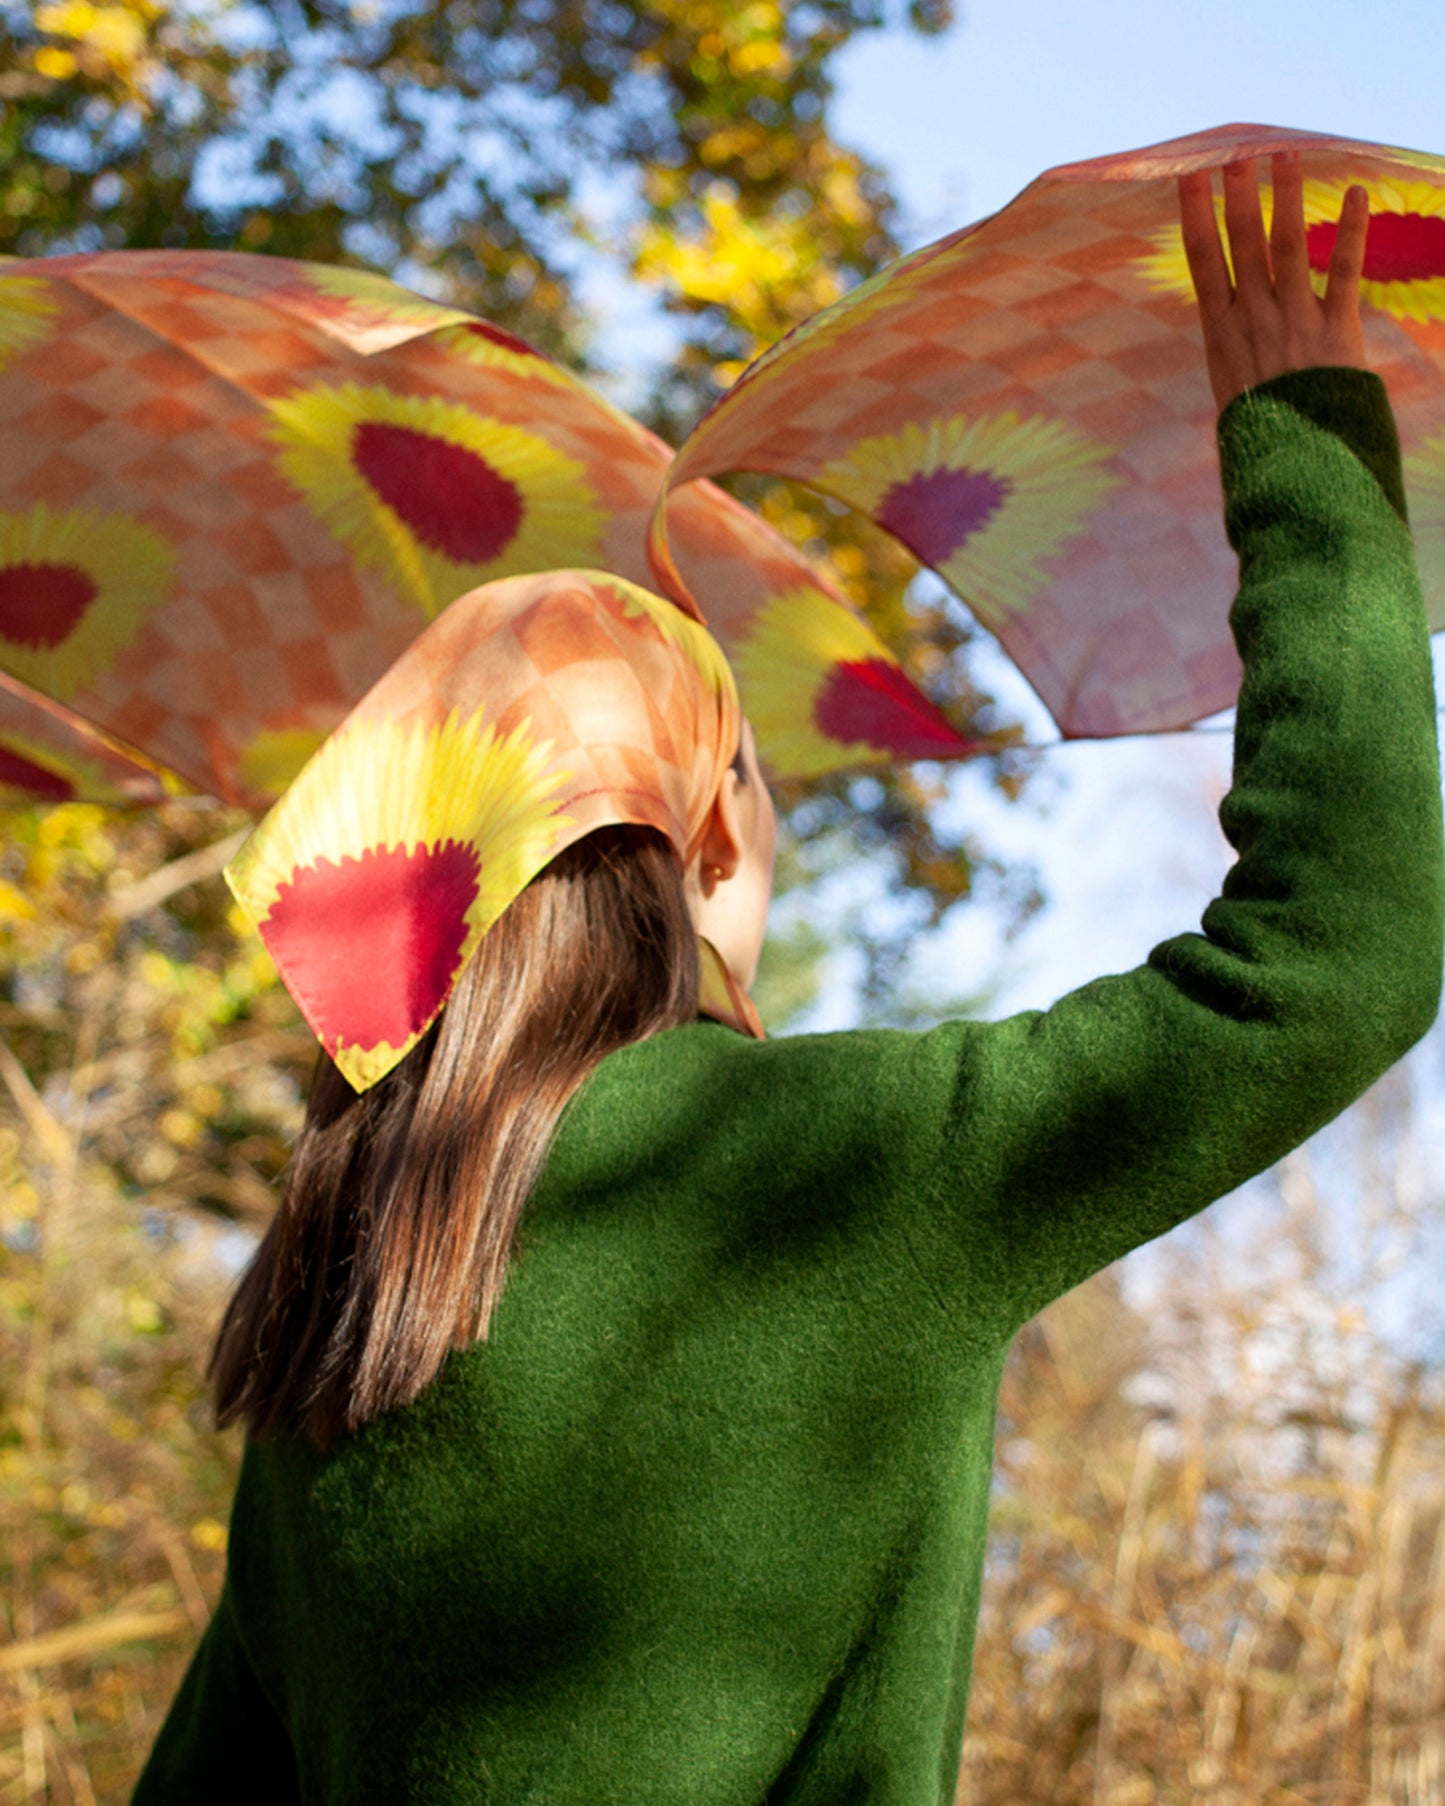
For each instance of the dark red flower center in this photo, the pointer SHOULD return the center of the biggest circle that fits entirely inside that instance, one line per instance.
(41, 604)
(934, 512)
(505, 341)
(872, 701)
(369, 946)
(24, 774)
(450, 497)
(1401, 247)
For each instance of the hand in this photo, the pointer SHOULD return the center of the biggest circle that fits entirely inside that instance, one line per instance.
(1268, 319)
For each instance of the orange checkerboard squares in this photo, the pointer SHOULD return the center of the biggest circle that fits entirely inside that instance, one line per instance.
(1054, 315)
(221, 405)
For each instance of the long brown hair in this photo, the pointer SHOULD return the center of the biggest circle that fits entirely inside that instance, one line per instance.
(401, 1205)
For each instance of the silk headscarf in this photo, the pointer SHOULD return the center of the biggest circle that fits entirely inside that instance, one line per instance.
(532, 711)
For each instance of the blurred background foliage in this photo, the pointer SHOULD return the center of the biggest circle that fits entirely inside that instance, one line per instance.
(151, 1073)
(1189, 1597)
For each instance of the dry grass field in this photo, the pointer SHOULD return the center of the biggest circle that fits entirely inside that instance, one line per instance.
(1235, 1597)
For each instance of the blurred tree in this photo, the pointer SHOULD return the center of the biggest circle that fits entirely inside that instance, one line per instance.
(466, 140)
(495, 153)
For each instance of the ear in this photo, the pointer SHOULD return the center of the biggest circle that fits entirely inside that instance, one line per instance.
(722, 840)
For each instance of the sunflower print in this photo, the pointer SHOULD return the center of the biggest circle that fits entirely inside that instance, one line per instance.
(28, 311)
(435, 497)
(34, 770)
(1404, 273)
(680, 630)
(984, 499)
(825, 694)
(29, 775)
(376, 875)
(1425, 487)
(489, 347)
(75, 589)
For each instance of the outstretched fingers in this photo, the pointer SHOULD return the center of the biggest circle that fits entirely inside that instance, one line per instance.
(1288, 241)
(1208, 269)
(1248, 246)
(1213, 284)
(1347, 260)
(1263, 318)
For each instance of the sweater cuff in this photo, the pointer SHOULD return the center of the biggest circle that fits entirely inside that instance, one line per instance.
(1350, 403)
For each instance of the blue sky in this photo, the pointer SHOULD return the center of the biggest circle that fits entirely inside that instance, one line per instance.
(962, 124)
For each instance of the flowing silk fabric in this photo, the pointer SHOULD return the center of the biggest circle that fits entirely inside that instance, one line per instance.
(236, 488)
(1024, 405)
(533, 710)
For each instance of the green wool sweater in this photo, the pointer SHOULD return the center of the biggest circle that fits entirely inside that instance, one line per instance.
(702, 1523)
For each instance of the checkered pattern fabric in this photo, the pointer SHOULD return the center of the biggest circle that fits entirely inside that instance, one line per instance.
(1025, 405)
(532, 711)
(307, 457)
(49, 754)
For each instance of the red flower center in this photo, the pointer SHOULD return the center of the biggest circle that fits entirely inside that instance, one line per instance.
(934, 512)
(24, 774)
(1401, 247)
(41, 604)
(369, 946)
(450, 497)
(505, 341)
(872, 701)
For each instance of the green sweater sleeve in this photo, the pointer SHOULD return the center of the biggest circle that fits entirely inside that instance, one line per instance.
(222, 1743)
(1043, 1147)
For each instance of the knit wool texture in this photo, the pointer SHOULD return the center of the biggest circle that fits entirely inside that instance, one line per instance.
(703, 1522)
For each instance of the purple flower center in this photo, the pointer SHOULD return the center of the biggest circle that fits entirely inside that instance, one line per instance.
(504, 341)
(24, 774)
(934, 512)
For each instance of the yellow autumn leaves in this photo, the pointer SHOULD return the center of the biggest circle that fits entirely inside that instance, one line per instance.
(106, 43)
(727, 40)
(780, 209)
(769, 272)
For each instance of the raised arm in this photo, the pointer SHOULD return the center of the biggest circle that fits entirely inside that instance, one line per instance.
(1264, 318)
(1043, 1147)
